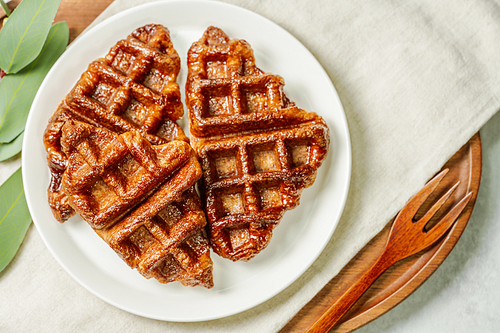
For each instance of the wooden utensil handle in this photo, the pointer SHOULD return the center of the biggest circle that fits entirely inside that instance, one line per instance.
(344, 303)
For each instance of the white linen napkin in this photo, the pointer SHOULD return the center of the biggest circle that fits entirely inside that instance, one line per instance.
(417, 79)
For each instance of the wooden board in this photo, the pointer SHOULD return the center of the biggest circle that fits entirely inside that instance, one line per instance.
(400, 280)
(406, 276)
(79, 14)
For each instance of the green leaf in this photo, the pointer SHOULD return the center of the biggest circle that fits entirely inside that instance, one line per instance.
(14, 217)
(5, 8)
(17, 91)
(7, 150)
(22, 37)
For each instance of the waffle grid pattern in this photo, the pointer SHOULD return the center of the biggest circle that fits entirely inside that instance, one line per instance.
(104, 170)
(263, 173)
(168, 245)
(258, 150)
(141, 200)
(227, 92)
(132, 89)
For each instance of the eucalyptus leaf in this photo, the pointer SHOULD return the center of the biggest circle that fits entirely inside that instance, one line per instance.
(7, 150)
(24, 34)
(17, 91)
(14, 217)
(5, 8)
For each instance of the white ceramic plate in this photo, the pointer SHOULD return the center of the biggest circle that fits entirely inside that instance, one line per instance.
(297, 241)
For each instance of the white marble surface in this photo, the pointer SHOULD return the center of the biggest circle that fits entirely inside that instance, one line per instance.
(463, 295)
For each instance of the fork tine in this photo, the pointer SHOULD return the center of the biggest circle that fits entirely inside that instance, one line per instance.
(446, 222)
(418, 199)
(430, 213)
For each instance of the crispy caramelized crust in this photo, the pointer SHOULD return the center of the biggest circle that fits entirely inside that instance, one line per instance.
(258, 150)
(140, 199)
(133, 88)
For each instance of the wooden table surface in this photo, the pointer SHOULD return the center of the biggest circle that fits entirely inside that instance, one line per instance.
(391, 288)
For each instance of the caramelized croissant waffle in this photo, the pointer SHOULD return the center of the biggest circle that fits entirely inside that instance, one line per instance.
(258, 150)
(133, 88)
(118, 158)
(140, 199)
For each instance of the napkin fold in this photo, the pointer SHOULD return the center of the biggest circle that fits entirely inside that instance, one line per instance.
(417, 80)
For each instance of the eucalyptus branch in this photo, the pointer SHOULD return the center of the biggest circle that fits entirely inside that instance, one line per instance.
(29, 46)
(5, 8)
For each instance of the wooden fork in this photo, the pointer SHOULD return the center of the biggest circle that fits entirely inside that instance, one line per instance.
(406, 237)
